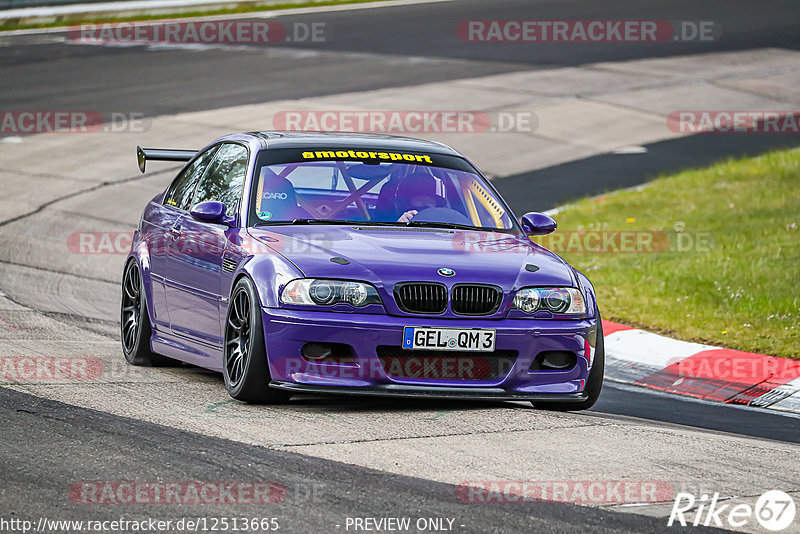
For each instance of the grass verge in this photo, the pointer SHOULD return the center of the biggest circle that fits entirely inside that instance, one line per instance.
(742, 290)
(69, 20)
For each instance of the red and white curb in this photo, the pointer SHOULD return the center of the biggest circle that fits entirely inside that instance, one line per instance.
(702, 371)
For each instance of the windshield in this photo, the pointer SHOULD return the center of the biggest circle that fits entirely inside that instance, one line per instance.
(376, 192)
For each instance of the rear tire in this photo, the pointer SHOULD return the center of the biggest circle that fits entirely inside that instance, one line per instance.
(244, 362)
(594, 384)
(134, 322)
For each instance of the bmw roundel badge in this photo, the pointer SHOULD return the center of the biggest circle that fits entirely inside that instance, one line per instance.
(446, 271)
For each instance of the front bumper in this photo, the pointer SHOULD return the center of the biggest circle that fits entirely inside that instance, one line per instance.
(430, 392)
(287, 331)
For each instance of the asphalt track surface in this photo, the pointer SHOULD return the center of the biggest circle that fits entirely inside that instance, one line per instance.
(47, 445)
(367, 49)
(320, 494)
(599, 174)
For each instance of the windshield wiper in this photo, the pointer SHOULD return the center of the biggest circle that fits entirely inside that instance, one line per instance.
(425, 224)
(321, 221)
(330, 221)
(304, 221)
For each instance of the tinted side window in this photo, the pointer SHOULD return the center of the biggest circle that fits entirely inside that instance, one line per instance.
(225, 177)
(181, 191)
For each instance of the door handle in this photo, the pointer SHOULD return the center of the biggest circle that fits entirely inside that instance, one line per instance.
(175, 232)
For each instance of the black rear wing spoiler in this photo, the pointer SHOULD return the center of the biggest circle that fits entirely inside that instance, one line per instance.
(162, 154)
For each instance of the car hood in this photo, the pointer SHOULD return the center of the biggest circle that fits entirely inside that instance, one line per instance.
(385, 256)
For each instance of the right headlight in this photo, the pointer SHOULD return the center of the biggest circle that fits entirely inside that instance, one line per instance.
(317, 292)
(557, 300)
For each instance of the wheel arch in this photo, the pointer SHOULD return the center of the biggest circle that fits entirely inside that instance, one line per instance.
(269, 274)
(592, 309)
(142, 258)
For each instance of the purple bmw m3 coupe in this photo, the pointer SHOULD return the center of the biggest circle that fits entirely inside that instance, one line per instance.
(357, 265)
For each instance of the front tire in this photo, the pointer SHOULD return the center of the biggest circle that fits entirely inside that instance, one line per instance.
(134, 321)
(244, 362)
(594, 384)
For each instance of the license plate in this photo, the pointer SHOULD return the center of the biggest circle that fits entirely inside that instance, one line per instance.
(477, 340)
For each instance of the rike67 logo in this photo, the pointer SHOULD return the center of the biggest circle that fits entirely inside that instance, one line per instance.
(774, 511)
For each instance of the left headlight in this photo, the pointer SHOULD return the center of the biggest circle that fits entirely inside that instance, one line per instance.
(557, 300)
(316, 292)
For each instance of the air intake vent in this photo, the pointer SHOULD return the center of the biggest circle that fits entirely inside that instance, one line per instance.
(445, 364)
(228, 265)
(421, 297)
(475, 299)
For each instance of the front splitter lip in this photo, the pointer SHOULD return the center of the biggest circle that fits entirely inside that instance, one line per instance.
(430, 392)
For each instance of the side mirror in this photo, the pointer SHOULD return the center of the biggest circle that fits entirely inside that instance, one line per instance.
(535, 223)
(210, 211)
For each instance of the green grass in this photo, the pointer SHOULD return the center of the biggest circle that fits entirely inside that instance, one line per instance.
(69, 20)
(744, 293)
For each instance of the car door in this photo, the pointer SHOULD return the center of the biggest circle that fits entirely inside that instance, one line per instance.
(195, 255)
(159, 226)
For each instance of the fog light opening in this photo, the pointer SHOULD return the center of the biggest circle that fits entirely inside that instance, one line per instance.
(316, 351)
(554, 360)
(327, 352)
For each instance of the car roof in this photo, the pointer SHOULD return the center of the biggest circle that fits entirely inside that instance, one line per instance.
(278, 139)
